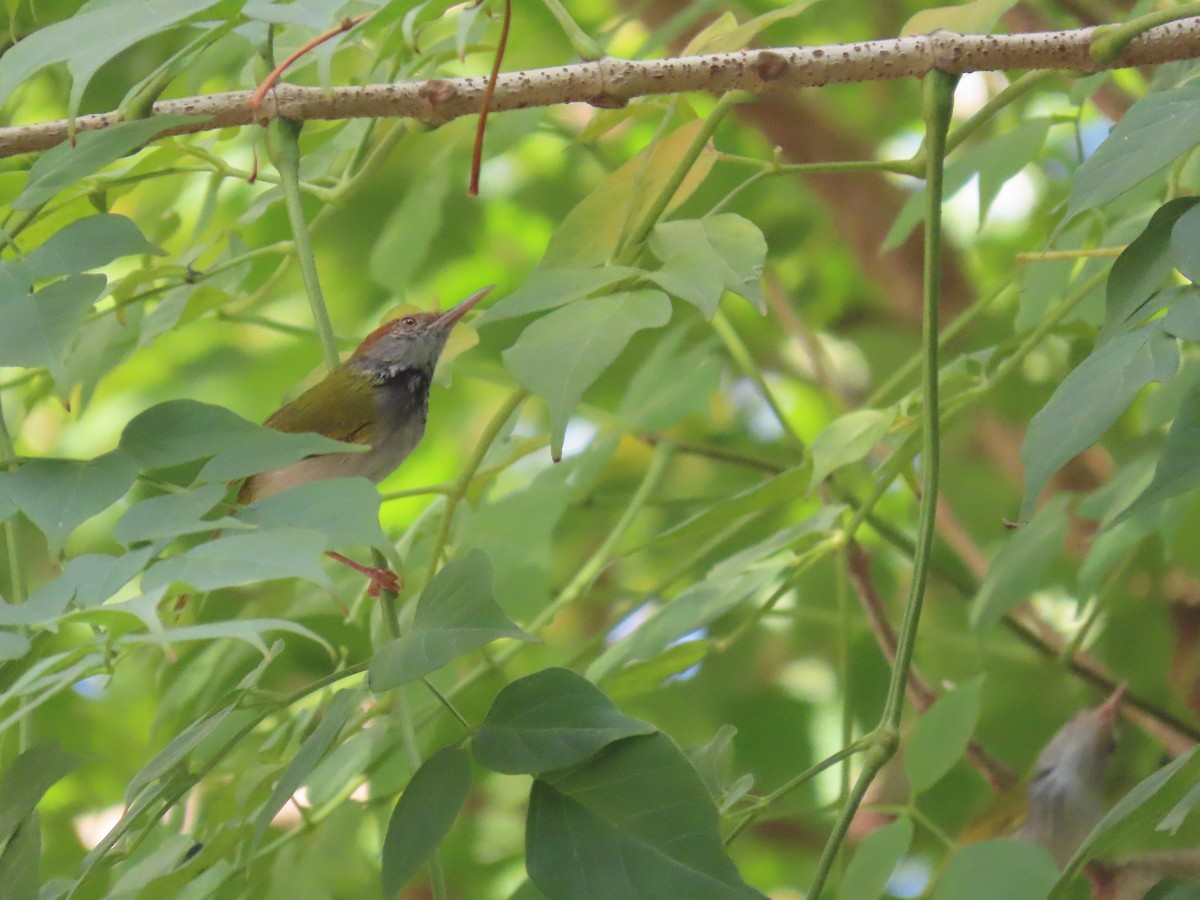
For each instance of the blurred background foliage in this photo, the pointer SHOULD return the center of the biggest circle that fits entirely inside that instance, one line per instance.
(222, 318)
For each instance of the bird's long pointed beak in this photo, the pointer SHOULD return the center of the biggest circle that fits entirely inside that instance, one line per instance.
(1108, 709)
(450, 317)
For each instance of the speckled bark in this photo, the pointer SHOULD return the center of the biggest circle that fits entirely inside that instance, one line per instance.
(611, 82)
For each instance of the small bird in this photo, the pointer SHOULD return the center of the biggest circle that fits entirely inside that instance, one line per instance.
(1066, 793)
(1059, 805)
(378, 397)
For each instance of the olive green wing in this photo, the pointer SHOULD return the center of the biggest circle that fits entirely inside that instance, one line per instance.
(340, 406)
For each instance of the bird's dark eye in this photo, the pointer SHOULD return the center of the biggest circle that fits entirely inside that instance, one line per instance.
(409, 321)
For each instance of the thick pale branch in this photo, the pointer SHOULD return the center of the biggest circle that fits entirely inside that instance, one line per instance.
(613, 82)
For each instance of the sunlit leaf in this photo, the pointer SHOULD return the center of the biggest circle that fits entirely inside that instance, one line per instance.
(702, 258)
(590, 232)
(974, 17)
(562, 353)
(549, 720)
(725, 35)
(848, 439)
(66, 164)
(88, 40)
(88, 243)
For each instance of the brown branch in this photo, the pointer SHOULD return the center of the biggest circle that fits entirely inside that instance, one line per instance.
(998, 776)
(610, 81)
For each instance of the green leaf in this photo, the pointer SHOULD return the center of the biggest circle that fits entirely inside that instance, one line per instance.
(589, 234)
(407, 234)
(1183, 315)
(171, 515)
(702, 258)
(1178, 469)
(58, 495)
(311, 752)
(1012, 870)
(670, 385)
(517, 532)
(847, 439)
(876, 859)
(1005, 155)
(38, 327)
(1185, 241)
(88, 580)
(1153, 133)
(1017, 570)
(1090, 400)
(1143, 808)
(549, 720)
(643, 677)
(939, 738)
(725, 35)
(29, 777)
(1140, 269)
(635, 821)
(546, 289)
(249, 631)
(176, 751)
(180, 431)
(20, 861)
(695, 607)
(777, 489)
(89, 39)
(455, 615)
(13, 645)
(236, 559)
(975, 17)
(343, 511)
(423, 815)
(65, 164)
(561, 354)
(88, 243)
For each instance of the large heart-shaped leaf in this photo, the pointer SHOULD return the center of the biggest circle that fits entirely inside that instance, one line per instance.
(549, 720)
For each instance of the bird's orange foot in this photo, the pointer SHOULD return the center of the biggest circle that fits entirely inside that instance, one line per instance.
(381, 579)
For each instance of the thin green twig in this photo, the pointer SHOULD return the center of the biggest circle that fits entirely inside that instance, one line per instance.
(283, 143)
(938, 103)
